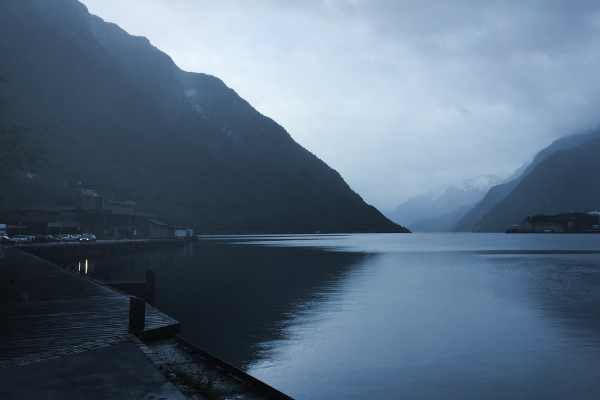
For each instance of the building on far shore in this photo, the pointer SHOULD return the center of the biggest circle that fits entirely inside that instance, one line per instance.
(559, 223)
(543, 227)
(106, 218)
(110, 218)
(157, 230)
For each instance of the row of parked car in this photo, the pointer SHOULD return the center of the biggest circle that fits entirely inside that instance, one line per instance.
(39, 238)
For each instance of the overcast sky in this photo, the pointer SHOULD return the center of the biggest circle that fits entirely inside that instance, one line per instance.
(401, 97)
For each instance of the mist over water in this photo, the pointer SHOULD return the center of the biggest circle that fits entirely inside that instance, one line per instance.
(390, 316)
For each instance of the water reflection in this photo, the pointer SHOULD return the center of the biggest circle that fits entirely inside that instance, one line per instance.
(234, 298)
(117, 267)
(565, 288)
(448, 324)
(86, 267)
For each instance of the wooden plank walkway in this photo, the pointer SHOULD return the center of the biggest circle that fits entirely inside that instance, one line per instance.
(47, 312)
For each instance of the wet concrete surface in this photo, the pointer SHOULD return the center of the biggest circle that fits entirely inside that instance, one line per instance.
(47, 312)
(65, 337)
(120, 371)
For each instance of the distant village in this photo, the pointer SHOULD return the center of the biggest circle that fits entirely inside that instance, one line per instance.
(559, 223)
(88, 211)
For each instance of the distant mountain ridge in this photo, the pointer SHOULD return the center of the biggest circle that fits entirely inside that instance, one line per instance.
(484, 204)
(426, 213)
(477, 219)
(567, 180)
(120, 116)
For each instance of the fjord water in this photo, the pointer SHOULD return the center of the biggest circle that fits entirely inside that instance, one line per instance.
(385, 316)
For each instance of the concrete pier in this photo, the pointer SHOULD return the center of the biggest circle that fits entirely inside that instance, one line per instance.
(65, 336)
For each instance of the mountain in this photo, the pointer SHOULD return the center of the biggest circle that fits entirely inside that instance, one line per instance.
(442, 223)
(439, 214)
(411, 210)
(118, 115)
(471, 220)
(565, 181)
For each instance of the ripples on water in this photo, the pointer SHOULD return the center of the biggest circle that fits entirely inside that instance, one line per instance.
(431, 316)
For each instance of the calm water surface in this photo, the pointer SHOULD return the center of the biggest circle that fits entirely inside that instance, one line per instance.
(386, 316)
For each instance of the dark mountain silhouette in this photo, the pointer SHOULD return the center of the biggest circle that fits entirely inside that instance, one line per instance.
(120, 116)
(565, 181)
(471, 221)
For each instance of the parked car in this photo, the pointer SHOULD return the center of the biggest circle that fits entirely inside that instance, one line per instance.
(41, 238)
(4, 239)
(87, 237)
(21, 239)
(67, 237)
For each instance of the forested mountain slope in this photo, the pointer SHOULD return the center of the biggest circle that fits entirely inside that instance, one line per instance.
(471, 221)
(566, 181)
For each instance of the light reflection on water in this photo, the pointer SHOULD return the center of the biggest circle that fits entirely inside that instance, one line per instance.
(449, 319)
(390, 316)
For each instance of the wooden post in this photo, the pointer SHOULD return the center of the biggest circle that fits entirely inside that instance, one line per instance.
(150, 286)
(137, 314)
